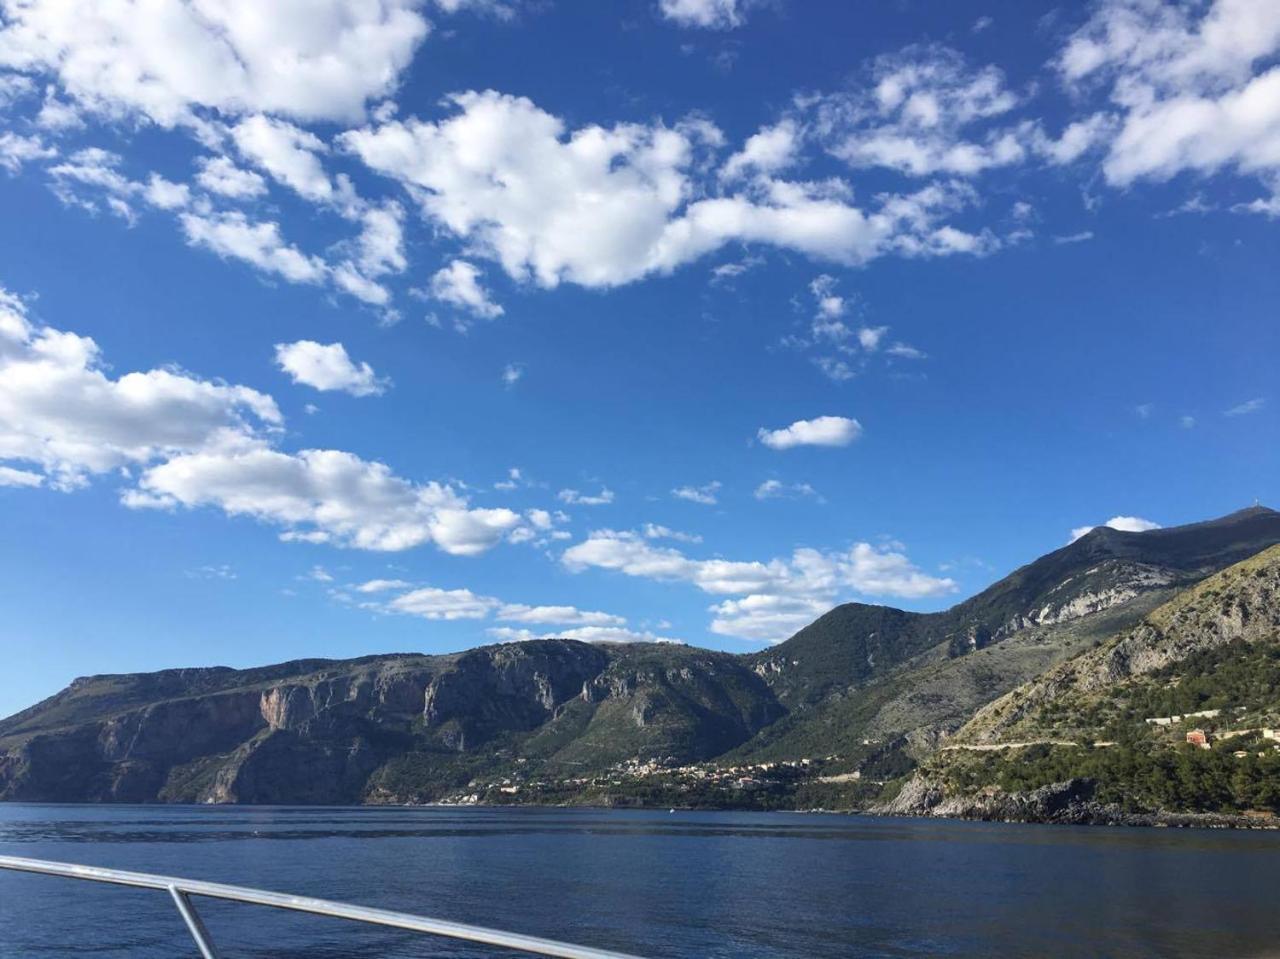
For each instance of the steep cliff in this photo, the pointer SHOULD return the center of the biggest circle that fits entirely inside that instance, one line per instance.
(877, 688)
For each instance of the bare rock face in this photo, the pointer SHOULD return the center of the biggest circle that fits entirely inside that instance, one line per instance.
(513, 687)
(1241, 602)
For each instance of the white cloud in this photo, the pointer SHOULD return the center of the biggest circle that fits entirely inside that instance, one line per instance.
(381, 585)
(601, 206)
(61, 410)
(1128, 524)
(327, 367)
(17, 150)
(583, 634)
(458, 284)
(774, 598)
(512, 374)
(309, 59)
(822, 431)
(573, 497)
(655, 531)
(318, 574)
(869, 337)
(1194, 86)
(705, 494)
(834, 368)
(232, 234)
(14, 87)
(58, 115)
(447, 604)
(380, 247)
(556, 615)
(165, 194)
(1247, 407)
(776, 489)
(431, 602)
(1082, 237)
(771, 150)
(324, 496)
(287, 152)
(220, 175)
(707, 14)
(904, 351)
(926, 112)
(831, 306)
(513, 480)
(14, 477)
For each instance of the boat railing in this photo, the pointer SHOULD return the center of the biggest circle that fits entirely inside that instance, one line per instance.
(182, 892)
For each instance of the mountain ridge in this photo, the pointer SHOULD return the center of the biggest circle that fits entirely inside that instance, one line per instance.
(861, 685)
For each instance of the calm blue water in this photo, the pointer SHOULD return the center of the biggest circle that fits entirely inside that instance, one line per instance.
(687, 885)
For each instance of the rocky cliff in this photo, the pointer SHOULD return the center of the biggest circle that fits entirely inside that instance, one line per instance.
(877, 687)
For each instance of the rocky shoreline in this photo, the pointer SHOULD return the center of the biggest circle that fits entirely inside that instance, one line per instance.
(1065, 803)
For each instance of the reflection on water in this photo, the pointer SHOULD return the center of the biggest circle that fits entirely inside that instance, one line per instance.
(654, 883)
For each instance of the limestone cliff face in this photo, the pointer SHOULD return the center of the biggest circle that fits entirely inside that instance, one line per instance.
(318, 733)
(412, 727)
(507, 688)
(1241, 602)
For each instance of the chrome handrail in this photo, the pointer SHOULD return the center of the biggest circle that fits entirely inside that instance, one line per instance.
(182, 889)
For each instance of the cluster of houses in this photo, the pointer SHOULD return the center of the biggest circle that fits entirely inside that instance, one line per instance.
(1205, 739)
(745, 777)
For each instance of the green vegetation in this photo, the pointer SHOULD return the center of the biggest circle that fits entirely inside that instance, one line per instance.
(1141, 776)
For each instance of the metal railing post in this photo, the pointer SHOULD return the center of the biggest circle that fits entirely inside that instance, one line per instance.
(195, 925)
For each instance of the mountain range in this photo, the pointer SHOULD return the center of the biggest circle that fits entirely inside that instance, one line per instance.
(868, 704)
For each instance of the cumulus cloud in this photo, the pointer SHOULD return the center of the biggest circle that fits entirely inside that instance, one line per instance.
(218, 174)
(657, 531)
(925, 112)
(448, 604)
(707, 494)
(15, 477)
(288, 153)
(602, 206)
(776, 489)
(772, 599)
(821, 431)
(557, 615)
(769, 151)
(61, 410)
(324, 496)
(707, 14)
(200, 442)
(512, 374)
(573, 497)
(583, 634)
(430, 602)
(17, 150)
(327, 367)
(1129, 524)
(1193, 86)
(458, 284)
(309, 60)
(381, 585)
(233, 235)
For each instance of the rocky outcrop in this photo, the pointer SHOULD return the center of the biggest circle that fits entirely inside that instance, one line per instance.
(1240, 603)
(1068, 803)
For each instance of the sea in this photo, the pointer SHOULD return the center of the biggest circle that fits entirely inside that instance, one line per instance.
(652, 883)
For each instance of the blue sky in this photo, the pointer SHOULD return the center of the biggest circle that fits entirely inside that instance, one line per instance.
(410, 326)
